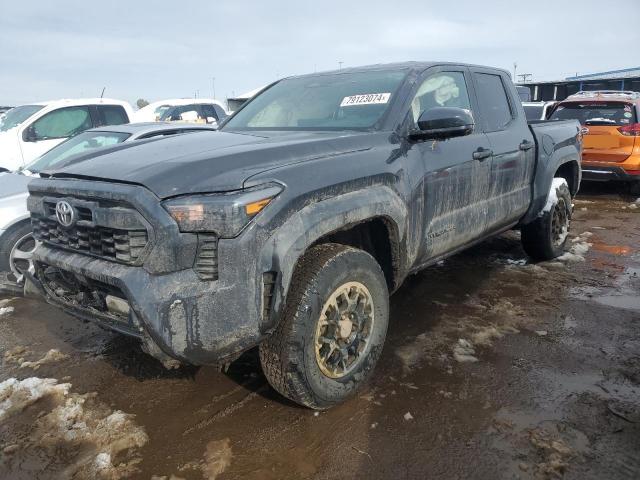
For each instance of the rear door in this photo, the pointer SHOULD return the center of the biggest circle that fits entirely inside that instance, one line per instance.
(456, 170)
(513, 160)
(603, 141)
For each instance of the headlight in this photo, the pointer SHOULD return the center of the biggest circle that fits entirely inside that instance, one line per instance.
(223, 213)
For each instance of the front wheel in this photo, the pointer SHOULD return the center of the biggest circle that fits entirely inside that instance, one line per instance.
(545, 238)
(333, 329)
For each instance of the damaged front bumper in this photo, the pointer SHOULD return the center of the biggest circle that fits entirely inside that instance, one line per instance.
(176, 315)
(126, 265)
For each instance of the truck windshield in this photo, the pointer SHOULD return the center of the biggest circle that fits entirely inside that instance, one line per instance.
(77, 145)
(596, 113)
(338, 101)
(17, 115)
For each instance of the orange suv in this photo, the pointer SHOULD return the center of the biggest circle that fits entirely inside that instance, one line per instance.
(611, 130)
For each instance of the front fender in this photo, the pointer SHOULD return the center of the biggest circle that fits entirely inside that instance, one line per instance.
(284, 248)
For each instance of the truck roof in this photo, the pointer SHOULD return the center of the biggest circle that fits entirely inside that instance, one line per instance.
(410, 65)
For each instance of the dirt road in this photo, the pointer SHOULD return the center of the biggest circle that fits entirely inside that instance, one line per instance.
(493, 368)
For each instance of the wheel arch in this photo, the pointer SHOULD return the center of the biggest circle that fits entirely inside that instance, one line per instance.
(373, 220)
(570, 171)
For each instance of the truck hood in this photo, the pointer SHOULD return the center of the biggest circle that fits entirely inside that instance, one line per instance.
(208, 161)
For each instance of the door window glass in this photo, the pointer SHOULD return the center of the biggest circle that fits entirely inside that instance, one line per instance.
(113, 115)
(442, 89)
(493, 101)
(62, 123)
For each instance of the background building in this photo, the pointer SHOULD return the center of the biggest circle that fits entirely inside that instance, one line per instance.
(626, 79)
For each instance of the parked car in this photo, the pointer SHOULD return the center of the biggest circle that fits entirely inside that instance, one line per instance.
(524, 93)
(16, 239)
(289, 227)
(28, 131)
(202, 109)
(611, 121)
(537, 110)
(201, 112)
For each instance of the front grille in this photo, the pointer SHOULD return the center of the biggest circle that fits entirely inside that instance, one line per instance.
(124, 245)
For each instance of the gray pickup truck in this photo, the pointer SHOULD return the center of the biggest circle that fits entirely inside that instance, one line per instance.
(290, 226)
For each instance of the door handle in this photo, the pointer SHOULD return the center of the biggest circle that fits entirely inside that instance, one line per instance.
(482, 153)
(525, 145)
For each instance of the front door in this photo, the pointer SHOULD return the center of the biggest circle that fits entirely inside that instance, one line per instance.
(53, 128)
(456, 180)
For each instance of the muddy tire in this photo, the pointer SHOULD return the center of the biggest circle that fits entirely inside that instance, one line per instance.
(634, 188)
(545, 238)
(16, 247)
(333, 329)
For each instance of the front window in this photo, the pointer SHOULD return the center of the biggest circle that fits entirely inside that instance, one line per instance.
(442, 89)
(339, 101)
(62, 123)
(77, 145)
(17, 115)
(159, 111)
(596, 113)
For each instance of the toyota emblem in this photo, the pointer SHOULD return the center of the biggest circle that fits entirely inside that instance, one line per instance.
(65, 213)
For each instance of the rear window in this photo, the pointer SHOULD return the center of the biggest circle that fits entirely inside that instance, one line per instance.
(596, 113)
(112, 115)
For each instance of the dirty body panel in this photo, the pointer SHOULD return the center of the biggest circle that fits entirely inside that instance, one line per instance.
(408, 201)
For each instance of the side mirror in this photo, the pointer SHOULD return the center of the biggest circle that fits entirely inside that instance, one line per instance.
(440, 123)
(29, 134)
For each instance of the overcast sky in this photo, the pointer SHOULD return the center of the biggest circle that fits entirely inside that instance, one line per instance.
(158, 49)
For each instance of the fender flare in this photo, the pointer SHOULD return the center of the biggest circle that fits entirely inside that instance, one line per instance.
(282, 251)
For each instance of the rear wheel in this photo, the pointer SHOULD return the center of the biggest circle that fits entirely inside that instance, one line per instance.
(333, 329)
(634, 188)
(545, 238)
(16, 251)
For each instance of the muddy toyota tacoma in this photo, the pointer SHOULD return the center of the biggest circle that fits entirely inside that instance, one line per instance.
(289, 227)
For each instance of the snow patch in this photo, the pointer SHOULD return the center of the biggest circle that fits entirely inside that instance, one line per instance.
(578, 249)
(16, 395)
(552, 199)
(463, 351)
(5, 311)
(52, 356)
(95, 441)
(217, 458)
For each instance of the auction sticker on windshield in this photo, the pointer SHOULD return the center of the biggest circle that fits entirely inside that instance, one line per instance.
(367, 99)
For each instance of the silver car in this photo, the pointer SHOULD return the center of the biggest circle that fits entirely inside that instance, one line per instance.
(16, 242)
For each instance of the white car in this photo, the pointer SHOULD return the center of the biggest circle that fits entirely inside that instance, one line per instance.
(28, 131)
(16, 240)
(204, 110)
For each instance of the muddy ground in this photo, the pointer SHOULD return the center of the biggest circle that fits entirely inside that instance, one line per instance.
(494, 368)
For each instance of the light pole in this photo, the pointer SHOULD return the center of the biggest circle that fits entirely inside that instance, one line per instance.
(340, 65)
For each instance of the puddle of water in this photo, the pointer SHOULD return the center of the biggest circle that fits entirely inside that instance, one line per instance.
(611, 249)
(627, 302)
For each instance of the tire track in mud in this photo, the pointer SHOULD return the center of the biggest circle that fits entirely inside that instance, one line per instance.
(220, 414)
